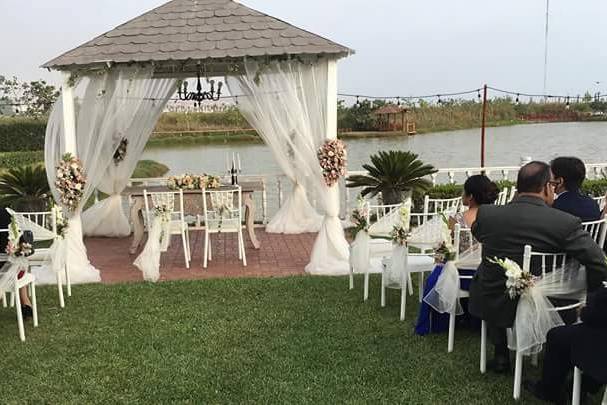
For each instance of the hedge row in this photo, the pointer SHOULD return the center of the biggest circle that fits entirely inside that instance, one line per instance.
(21, 134)
(12, 159)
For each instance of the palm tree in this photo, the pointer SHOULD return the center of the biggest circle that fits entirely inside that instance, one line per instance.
(24, 188)
(393, 174)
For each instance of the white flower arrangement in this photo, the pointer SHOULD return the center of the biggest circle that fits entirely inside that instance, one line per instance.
(163, 212)
(60, 221)
(333, 160)
(15, 247)
(70, 181)
(517, 280)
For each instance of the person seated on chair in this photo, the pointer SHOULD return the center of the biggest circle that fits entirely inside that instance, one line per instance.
(5, 221)
(504, 231)
(569, 174)
(478, 190)
(583, 345)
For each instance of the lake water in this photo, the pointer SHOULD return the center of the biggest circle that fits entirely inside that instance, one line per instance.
(504, 147)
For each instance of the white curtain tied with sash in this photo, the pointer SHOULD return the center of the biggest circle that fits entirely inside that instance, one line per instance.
(285, 101)
(108, 104)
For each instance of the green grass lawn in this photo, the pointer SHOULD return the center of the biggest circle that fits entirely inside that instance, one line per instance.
(287, 340)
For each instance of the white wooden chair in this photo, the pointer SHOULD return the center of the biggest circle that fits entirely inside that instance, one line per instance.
(577, 388)
(222, 216)
(512, 194)
(28, 280)
(433, 206)
(457, 238)
(178, 226)
(600, 201)
(378, 248)
(43, 226)
(597, 229)
(549, 262)
(502, 197)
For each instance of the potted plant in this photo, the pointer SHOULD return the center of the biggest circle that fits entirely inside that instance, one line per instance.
(395, 174)
(24, 188)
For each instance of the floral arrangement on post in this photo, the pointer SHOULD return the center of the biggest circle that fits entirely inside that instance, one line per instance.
(333, 159)
(16, 246)
(518, 281)
(70, 181)
(359, 217)
(120, 152)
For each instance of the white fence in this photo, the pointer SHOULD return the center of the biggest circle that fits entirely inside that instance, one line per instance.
(276, 186)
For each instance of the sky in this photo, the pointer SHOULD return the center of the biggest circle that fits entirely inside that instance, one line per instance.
(403, 47)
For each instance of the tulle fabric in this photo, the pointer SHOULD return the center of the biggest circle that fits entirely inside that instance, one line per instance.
(296, 215)
(10, 271)
(444, 297)
(536, 315)
(148, 261)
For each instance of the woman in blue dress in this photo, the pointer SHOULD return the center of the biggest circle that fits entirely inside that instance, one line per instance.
(478, 190)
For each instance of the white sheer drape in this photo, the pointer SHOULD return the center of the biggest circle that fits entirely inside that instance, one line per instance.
(535, 314)
(106, 108)
(286, 102)
(275, 103)
(149, 97)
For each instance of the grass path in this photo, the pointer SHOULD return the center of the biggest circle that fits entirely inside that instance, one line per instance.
(288, 340)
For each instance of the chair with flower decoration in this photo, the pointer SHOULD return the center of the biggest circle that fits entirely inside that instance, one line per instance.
(43, 226)
(177, 224)
(222, 214)
(11, 283)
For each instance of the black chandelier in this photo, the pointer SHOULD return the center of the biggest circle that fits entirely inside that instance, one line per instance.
(199, 96)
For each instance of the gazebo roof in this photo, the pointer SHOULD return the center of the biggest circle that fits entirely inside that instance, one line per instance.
(185, 31)
(389, 109)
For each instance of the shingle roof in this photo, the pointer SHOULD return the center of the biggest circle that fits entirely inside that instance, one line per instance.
(198, 29)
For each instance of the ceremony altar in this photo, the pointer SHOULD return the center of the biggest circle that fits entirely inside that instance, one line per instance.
(193, 206)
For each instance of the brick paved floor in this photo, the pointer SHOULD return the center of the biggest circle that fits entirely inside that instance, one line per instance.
(279, 255)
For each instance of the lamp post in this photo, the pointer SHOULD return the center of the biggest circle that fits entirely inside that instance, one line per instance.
(483, 121)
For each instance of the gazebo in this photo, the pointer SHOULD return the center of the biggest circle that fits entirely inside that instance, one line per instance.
(116, 85)
(391, 117)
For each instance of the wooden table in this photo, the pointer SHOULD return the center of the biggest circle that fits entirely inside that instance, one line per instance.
(138, 205)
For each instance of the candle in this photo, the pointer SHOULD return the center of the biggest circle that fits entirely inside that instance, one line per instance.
(227, 162)
(238, 156)
(233, 161)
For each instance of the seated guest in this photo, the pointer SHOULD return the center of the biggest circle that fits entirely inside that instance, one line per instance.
(478, 190)
(5, 220)
(504, 231)
(569, 174)
(582, 345)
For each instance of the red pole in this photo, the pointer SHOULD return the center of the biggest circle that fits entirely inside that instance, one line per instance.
(483, 125)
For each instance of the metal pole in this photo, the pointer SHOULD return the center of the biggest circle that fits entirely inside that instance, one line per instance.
(483, 125)
(546, 49)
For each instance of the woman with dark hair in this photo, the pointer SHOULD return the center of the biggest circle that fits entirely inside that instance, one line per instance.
(478, 190)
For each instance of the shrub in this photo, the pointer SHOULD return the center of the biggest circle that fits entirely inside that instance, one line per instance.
(22, 134)
(24, 188)
(13, 159)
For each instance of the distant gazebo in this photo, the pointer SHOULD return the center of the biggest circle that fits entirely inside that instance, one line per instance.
(391, 117)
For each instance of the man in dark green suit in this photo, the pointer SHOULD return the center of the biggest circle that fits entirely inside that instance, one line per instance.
(505, 230)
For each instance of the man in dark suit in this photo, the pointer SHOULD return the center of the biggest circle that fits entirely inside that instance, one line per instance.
(505, 230)
(582, 345)
(569, 173)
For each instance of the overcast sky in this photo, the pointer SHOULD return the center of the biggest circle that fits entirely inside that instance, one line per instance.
(403, 47)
